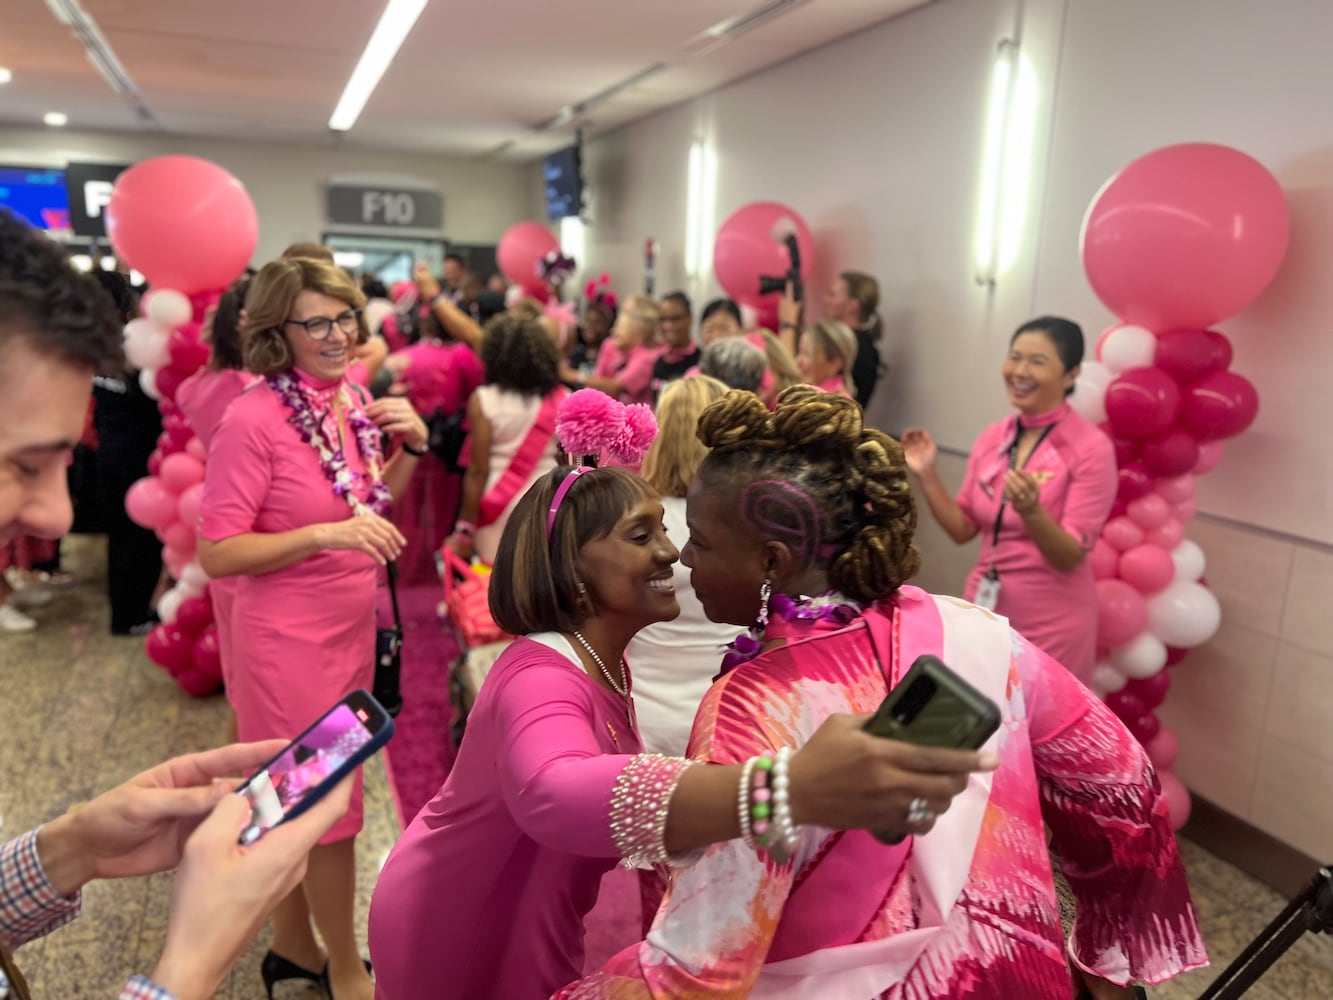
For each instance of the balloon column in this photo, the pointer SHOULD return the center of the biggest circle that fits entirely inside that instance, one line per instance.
(1179, 239)
(190, 228)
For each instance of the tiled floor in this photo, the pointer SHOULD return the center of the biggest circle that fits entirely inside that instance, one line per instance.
(83, 711)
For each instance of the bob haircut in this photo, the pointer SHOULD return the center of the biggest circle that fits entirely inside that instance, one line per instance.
(269, 302)
(677, 452)
(535, 583)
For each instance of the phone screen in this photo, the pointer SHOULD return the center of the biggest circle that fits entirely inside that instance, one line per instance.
(303, 767)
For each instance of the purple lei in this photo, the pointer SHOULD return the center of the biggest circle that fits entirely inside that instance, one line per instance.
(831, 607)
(332, 460)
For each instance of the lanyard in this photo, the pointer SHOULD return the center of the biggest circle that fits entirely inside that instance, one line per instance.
(1013, 455)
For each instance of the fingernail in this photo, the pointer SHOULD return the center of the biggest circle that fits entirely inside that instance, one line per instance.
(989, 761)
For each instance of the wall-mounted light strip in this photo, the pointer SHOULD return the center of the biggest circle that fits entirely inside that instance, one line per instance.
(397, 20)
(1006, 163)
(701, 195)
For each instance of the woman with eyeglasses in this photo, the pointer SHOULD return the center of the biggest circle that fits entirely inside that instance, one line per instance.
(295, 505)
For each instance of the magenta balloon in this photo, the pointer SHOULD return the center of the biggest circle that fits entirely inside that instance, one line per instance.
(1135, 482)
(746, 248)
(1141, 402)
(188, 354)
(1177, 798)
(1185, 236)
(1175, 654)
(1221, 348)
(1166, 536)
(1121, 533)
(1177, 488)
(1152, 690)
(1170, 453)
(1125, 704)
(198, 683)
(194, 615)
(1210, 453)
(169, 647)
(521, 249)
(1146, 568)
(1121, 612)
(185, 223)
(1163, 749)
(155, 463)
(168, 381)
(1103, 559)
(1219, 405)
(150, 504)
(1144, 727)
(1186, 354)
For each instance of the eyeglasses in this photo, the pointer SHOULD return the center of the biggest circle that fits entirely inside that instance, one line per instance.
(320, 327)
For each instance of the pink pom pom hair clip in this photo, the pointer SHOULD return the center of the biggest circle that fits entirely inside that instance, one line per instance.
(588, 423)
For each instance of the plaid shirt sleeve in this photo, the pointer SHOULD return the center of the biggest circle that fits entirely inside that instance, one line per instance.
(140, 988)
(30, 906)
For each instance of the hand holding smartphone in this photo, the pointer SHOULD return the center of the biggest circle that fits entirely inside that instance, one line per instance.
(313, 763)
(932, 706)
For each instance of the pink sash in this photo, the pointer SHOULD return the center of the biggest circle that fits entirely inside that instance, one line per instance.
(539, 435)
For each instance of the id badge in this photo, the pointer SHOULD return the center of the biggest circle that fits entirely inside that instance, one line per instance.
(988, 592)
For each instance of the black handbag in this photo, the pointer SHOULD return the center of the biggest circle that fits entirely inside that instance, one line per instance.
(448, 431)
(389, 653)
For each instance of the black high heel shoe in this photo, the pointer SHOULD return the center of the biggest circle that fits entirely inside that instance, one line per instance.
(328, 985)
(276, 969)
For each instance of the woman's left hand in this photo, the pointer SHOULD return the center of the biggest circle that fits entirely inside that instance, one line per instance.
(395, 415)
(1022, 490)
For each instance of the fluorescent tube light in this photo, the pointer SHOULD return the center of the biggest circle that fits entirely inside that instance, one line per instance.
(55, 118)
(701, 193)
(1006, 163)
(397, 20)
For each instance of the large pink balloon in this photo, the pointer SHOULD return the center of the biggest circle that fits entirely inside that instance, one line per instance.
(1170, 453)
(150, 504)
(1219, 405)
(185, 223)
(1147, 568)
(1177, 798)
(749, 245)
(1185, 236)
(1141, 402)
(1121, 612)
(521, 249)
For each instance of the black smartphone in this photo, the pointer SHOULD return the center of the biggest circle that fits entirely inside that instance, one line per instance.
(289, 784)
(932, 706)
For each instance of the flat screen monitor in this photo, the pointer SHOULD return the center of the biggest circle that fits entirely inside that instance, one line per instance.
(564, 183)
(37, 194)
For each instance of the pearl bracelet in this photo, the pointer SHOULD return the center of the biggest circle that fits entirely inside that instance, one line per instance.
(640, 803)
(784, 830)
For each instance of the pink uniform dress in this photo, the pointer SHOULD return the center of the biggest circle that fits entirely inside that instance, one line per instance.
(203, 398)
(485, 892)
(634, 369)
(303, 636)
(966, 913)
(1074, 466)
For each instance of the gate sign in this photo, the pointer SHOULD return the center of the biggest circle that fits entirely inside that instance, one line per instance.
(391, 208)
(89, 190)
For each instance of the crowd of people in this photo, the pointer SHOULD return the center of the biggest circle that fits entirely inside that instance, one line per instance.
(781, 849)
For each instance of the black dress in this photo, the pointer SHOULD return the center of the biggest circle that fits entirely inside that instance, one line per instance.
(866, 370)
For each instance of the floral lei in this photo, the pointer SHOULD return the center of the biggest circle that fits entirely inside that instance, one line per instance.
(831, 606)
(332, 460)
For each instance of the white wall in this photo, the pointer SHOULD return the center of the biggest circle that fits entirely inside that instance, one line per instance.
(875, 140)
(286, 181)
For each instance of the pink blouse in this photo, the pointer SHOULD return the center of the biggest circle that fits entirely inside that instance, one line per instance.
(634, 369)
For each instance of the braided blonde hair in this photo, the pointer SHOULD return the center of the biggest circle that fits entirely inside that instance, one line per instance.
(814, 476)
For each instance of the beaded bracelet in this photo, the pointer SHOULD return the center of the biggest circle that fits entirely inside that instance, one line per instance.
(760, 798)
(640, 803)
(462, 527)
(743, 803)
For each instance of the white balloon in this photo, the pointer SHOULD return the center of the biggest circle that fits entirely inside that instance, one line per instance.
(146, 344)
(1184, 614)
(1189, 560)
(148, 383)
(1095, 373)
(1089, 398)
(1106, 679)
(193, 577)
(168, 307)
(1128, 347)
(1142, 657)
(169, 604)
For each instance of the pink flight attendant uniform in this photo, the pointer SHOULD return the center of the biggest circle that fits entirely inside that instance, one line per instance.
(634, 369)
(303, 636)
(1074, 465)
(203, 398)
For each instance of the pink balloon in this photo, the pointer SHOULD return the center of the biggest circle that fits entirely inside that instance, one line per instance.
(748, 245)
(1210, 454)
(168, 381)
(187, 508)
(154, 463)
(180, 472)
(1177, 798)
(1187, 354)
(1176, 489)
(175, 561)
(1184, 510)
(1170, 453)
(169, 647)
(1163, 749)
(1103, 559)
(1149, 511)
(185, 223)
(1175, 654)
(1185, 236)
(1135, 482)
(194, 615)
(1140, 402)
(1144, 727)
(195, 449)
(180, 538)
(150, 504)
(1219, 405)
(1152, 690)
(188, 353)
(1167, 535)
(1146, 568)
(1125, 704)
(1121, 533)
(198, 683)
(1121, 612)
(521, 250)
(1222, 351)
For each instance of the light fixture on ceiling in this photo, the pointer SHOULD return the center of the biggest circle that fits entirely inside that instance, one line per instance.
(397, 20)
(700, 196)
(5, 75)
(1006, 163)
(56, 119)
(348, 258)
(713, 38)
(100, 54)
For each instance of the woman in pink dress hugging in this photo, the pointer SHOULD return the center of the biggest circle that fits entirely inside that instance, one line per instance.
(484, 894)
(295, 504)
(1038, 489)
(801, 524)
(828, 352)
(625, 360)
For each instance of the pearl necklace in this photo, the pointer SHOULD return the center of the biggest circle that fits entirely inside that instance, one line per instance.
(622, 688)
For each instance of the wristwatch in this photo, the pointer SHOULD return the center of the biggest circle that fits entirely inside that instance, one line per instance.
(418, 452)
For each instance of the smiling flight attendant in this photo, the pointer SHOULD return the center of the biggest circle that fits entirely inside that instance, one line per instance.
(1039, 487)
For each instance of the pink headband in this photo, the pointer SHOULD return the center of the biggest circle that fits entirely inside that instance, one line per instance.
(559, 497)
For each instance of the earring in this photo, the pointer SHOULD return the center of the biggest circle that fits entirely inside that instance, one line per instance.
(765, 592)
